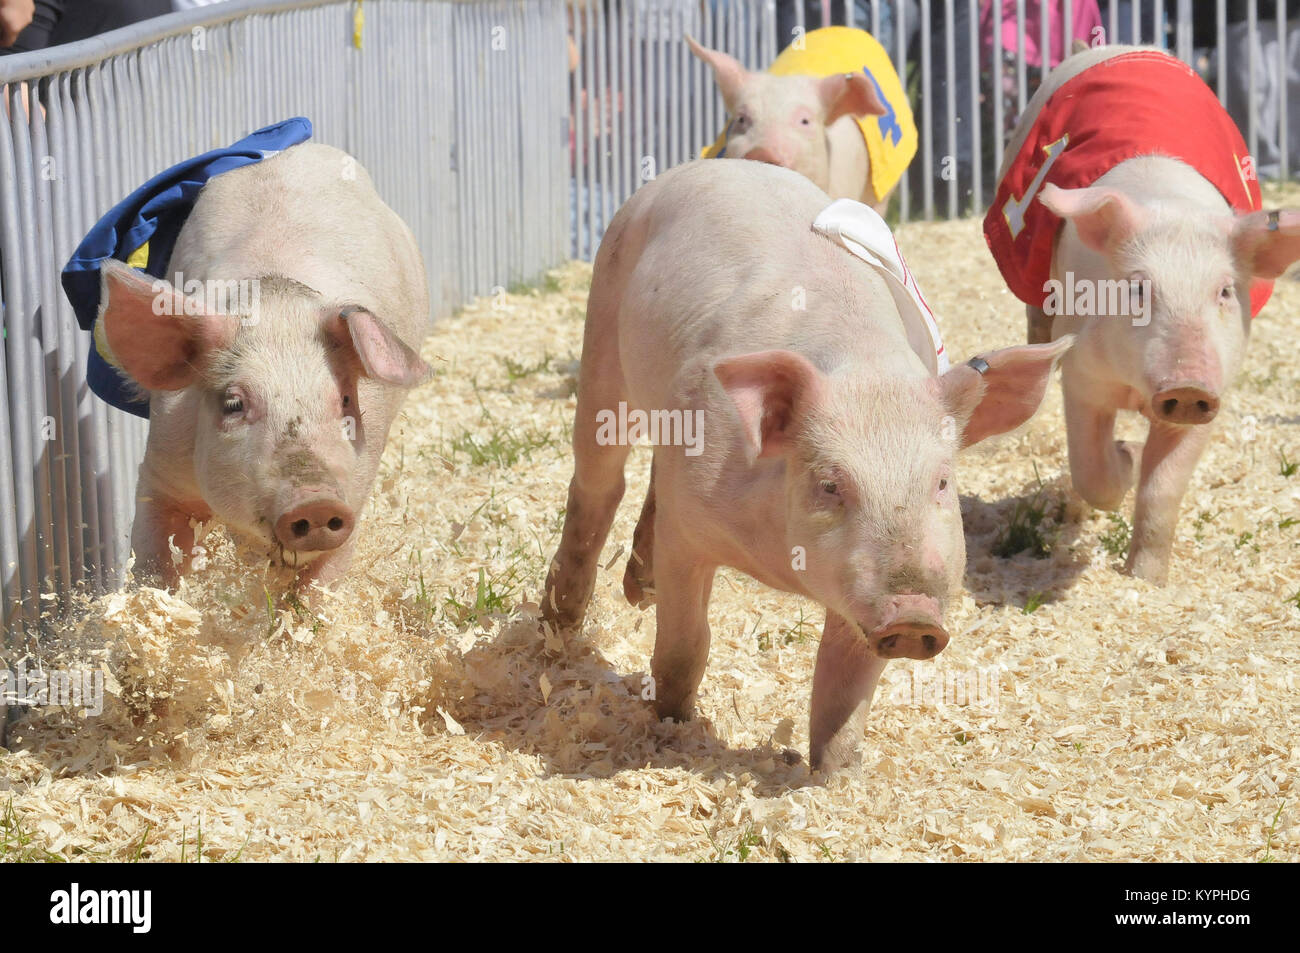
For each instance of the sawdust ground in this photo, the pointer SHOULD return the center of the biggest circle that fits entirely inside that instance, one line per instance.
(417, 713)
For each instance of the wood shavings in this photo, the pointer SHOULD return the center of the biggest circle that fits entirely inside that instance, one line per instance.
(419, 712)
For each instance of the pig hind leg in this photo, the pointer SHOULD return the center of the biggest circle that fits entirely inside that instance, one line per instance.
(844, 679)
(639, 579)
(1040, 325)
(682, 634)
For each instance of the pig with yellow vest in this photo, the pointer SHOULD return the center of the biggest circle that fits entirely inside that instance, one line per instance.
(830, 107)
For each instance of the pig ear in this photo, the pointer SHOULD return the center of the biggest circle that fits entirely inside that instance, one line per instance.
(1266, 243)
(849, 94)
(383, 356)
(767, 388)
(1104, 217)
(1006, 394)
(157, 335)
(728, 72)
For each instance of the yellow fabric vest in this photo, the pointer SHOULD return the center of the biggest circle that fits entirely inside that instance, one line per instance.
(891, 139)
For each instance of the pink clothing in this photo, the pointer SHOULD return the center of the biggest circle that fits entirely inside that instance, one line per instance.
(1085, 14)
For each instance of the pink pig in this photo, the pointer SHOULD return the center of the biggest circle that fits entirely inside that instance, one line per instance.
(273, 422)
(803, 123)
(825, 464)
(1189, 269)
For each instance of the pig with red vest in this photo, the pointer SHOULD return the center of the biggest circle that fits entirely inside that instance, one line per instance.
(1128, 214)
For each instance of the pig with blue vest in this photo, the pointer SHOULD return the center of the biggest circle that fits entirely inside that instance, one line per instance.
(271, 361)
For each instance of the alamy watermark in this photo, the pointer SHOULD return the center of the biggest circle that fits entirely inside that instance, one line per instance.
(662, 428)
(74, 688)
(1108, 297)
(234, 296)
(936, 686)
(133, 908)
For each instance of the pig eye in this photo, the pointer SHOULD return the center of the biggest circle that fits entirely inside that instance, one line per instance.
(1227, 294)
(232, 402)
(740, 123)
(941, 484)
(829, 487)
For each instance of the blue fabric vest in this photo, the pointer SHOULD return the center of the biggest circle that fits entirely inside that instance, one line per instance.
(153, 214)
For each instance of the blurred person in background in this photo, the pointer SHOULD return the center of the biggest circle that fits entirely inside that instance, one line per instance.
(955, 158)
(1147, 29)
(46, 23)
(15, 15)
(835, 10)
(1086, 27)
(1277, 81)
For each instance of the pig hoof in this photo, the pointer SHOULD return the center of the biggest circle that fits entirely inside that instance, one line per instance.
(638, 589)
(1147, 568)
(835, 756)
(563, 620)
(677, 712)
(562, 612)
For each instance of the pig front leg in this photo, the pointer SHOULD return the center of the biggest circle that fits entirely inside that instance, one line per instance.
(158, 519)
(328, 568)
(682, 626)
(593, 501)
(639, 577)
(1168, 460)
(594, 494)
(597, 485)
(1101, 467)
(844, 680)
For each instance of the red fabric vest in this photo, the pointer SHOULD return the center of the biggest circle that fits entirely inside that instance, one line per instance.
(1136, 104)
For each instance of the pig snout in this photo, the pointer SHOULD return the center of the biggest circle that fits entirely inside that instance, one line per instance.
(1184, 402)
(910, 628)
(315, 523)
(768, 155)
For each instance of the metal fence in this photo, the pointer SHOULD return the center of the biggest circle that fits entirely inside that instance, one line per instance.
(506, 133)
(642, 103)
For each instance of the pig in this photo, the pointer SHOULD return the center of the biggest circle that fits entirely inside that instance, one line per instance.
(824, 110)
(1189, 268)
(825, 459)
(271, 422)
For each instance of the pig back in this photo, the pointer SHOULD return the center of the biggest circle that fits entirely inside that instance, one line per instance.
(721, 258)
(312, 214)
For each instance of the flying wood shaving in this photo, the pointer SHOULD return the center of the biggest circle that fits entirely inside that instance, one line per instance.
(453, 726)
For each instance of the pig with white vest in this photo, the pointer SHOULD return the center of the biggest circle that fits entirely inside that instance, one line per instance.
(1128, 214)
(829, 422)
